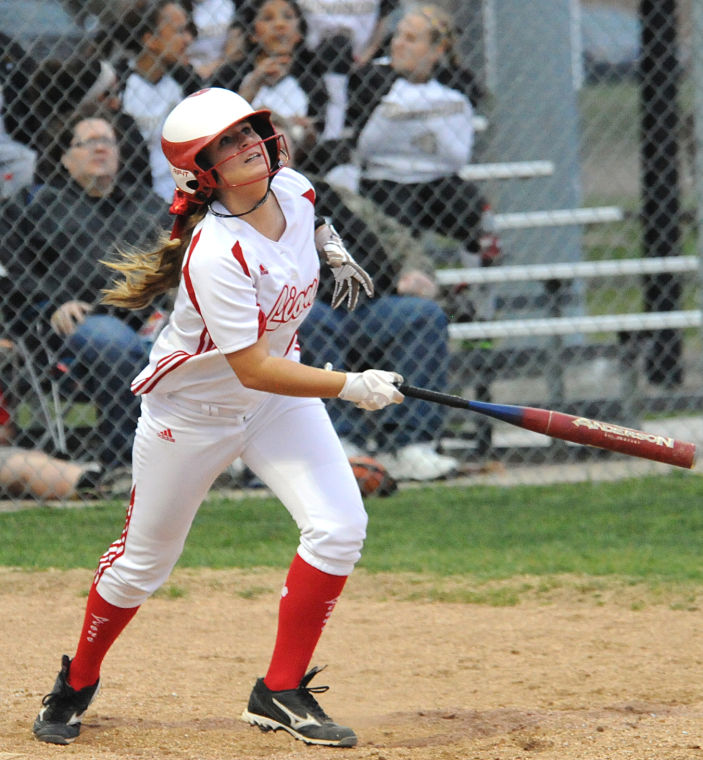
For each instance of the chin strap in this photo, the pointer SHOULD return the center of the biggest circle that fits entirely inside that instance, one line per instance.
(244, 213)
(183, 206)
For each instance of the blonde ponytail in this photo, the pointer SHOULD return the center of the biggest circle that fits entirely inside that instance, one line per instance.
(147, 274)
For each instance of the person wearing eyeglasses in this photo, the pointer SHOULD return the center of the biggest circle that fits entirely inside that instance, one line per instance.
(52, 249)
(55, 89)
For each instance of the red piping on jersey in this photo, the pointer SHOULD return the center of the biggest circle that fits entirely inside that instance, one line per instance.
(167, 364)
(205, 343)
(186, 273)
(163, 367)
(239, 256)
(116, 548)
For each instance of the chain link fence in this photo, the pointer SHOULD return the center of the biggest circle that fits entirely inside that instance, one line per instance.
(519, 178)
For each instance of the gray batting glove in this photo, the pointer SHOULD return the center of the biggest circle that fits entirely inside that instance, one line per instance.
(349, 277)
(372, 389)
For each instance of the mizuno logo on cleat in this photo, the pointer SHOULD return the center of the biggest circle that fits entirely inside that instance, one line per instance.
(167, 435)
(295, 720)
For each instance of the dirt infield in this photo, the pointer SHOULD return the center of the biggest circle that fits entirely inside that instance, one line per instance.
(575, 669)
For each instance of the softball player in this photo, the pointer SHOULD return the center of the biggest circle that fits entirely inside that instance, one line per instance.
(224, 381)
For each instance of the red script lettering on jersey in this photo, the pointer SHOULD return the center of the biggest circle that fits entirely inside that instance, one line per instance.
(290, 303)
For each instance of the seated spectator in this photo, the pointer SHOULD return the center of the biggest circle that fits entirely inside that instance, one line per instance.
(344, 35)
(401, 326)
(415, 133)
(278, 71)
(211, 20)
(52, 250)
(158, 76)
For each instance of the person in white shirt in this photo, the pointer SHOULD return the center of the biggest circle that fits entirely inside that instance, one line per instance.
(224, 381)
(158, 35)
(415, 131)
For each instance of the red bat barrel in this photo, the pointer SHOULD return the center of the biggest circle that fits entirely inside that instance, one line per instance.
(607, 435)
(603, 435)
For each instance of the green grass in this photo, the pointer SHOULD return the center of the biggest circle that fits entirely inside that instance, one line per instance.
(649, 530)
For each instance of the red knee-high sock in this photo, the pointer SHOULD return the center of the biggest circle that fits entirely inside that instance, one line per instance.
(103, 623)
(307, 601)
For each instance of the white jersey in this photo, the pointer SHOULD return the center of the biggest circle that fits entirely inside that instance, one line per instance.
(149, 104)
(419, 132)
(235, 286)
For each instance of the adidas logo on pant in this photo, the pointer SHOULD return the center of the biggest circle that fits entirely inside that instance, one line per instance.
(167, 435)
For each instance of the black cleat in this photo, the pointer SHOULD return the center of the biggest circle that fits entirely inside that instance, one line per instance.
(296, 711)
(59, 720)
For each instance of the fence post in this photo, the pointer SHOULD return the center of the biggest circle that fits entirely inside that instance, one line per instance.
(661, 234)
(697, 53)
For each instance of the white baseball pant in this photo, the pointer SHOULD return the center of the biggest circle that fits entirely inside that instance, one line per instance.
(289, 443)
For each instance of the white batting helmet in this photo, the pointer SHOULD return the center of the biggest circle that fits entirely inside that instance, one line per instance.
(197, 121)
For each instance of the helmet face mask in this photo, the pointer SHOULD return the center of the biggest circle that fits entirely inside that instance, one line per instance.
(274, 148)
(197, 121)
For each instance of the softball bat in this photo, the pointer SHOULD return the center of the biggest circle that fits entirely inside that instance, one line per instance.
(567, 427)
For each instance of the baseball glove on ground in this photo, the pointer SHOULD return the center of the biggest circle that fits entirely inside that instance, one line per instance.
(372, 477)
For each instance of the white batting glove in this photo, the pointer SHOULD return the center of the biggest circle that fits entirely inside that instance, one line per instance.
(372, 389)
(349, 277)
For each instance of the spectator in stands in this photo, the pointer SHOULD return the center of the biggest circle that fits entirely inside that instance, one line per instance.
(401, 326)
(52, 249)
(211, 20)
(156, 33)
(278, 71)
(415, 133)
(344, 35)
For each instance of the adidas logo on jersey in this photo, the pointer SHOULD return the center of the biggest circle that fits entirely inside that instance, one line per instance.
(262, 269)
(167, 435)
